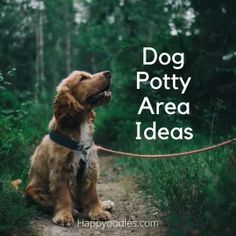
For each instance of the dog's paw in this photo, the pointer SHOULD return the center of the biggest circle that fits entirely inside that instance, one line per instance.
(100, 215)
(107, 205)
(63, 218)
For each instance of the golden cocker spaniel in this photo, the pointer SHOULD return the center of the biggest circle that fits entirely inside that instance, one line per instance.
(62, 178)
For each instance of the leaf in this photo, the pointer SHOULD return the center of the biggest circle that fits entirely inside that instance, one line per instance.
(11, 72)
(7, 83)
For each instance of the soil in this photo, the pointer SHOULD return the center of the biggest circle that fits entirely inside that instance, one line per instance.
(130, 209)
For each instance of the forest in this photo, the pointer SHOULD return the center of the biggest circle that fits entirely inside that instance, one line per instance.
(41, 42)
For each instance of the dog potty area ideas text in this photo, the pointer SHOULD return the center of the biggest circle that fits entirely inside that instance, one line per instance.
(170, 83)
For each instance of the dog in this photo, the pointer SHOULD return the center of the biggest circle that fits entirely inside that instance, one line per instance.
(57, 180)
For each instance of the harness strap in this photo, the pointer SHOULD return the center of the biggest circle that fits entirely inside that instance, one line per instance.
(69, 143)
(63, 140)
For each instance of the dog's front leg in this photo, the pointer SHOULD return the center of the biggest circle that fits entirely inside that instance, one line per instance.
(96, 209)
(63, 203)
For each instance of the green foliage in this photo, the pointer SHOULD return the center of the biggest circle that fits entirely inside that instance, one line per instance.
(17, 41)
(21, 125)
(20, 128)
(195, 193)
(15, 214)
(185, 188)
(220, 207)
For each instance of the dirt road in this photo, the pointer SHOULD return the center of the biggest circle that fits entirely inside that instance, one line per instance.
(128, 216)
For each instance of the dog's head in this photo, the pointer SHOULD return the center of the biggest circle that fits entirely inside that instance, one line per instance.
(90, 90)
(81, 91)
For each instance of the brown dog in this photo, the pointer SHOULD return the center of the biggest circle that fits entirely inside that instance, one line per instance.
(52, 178)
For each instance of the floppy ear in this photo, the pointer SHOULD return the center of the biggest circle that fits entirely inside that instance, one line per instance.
(66, 107)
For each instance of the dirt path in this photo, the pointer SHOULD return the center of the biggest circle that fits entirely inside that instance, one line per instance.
(129, 205)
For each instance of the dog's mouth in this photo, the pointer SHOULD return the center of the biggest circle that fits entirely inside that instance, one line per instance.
(100, 97)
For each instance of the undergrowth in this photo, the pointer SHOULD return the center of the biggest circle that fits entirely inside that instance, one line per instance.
(196, 194)
(22, 125)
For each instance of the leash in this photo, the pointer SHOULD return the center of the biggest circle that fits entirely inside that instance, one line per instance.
(159, 156)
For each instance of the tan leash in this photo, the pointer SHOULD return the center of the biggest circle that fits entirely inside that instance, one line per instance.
(16, 183)
(179, 154)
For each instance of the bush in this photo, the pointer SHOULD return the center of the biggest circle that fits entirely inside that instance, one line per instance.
(15, 215)
(220, 208)
(20, 127)
(196, 194)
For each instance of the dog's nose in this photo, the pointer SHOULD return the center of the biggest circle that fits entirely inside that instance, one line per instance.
(107, 74)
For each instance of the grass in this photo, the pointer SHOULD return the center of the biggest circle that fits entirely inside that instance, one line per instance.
(20, 130)
(187, 189)
(15, 214)
(196, 194)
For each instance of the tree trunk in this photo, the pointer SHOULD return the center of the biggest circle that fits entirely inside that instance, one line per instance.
(40, 78)
(69, 5)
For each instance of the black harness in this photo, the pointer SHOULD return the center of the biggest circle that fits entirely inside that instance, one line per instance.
(67, 142)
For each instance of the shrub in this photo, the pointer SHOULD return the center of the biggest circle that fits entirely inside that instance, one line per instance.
(15, 215)
(196, 194)
(20, 128)
(220, 208)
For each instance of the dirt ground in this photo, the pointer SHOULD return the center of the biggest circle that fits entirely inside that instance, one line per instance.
(131, 208)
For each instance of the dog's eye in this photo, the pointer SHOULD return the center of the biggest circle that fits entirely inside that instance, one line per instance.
(83, 78)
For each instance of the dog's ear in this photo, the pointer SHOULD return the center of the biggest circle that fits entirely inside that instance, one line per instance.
(66, 107)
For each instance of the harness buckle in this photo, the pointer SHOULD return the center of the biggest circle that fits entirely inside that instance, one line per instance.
(79, 147)
(83, 153)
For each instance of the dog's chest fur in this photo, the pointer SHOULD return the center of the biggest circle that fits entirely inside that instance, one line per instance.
(86, 139)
